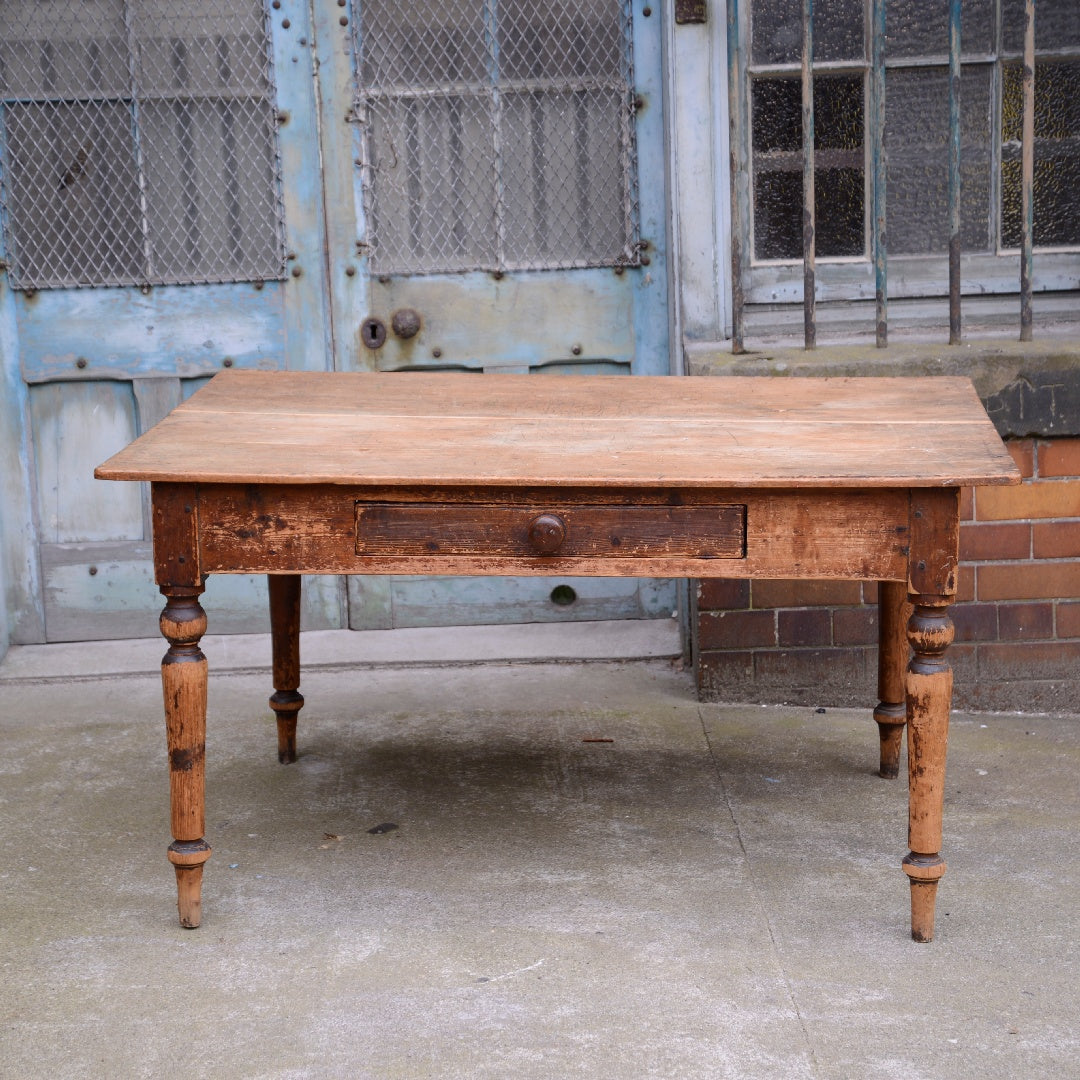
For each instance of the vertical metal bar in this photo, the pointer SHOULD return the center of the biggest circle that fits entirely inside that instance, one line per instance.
(491, 39)
(1027, 171)
(808, 218)
(954, 172)
(136, 140)
(737, 120)
(878, 166)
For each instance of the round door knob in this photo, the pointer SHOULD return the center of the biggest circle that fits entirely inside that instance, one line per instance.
(547, 533)
(405, 322)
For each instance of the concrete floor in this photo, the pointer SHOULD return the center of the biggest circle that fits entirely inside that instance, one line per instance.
(591, 875)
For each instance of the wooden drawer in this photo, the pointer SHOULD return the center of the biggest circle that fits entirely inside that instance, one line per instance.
(631, 532)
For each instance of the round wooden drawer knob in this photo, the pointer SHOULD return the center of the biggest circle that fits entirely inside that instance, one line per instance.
(547, 533)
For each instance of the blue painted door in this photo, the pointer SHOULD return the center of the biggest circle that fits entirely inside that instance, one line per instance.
(186, 187)
(161, 218)
(495, 202)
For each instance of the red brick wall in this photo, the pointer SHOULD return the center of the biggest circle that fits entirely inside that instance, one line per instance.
(1017, 613)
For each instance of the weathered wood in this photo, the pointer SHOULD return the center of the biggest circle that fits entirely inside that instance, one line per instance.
(447, 429)
(569, 529)
(176, 544)
(286, 701)
(929, 697)
(288, 528)
(935, 541)
(891, 711)
(183, 683)
(837, 478)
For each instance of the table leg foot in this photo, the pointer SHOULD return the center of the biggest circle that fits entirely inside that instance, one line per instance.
(183, 683)
(925, 872)
(188, 859)
(286, 701)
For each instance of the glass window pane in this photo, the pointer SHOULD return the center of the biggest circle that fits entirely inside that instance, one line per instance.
(839, 186)
(917, 151)
(776, 30)
(921, 27)
(1056, 187)
(1057, 25)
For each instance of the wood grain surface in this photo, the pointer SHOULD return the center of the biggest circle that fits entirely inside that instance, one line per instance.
(454, 429)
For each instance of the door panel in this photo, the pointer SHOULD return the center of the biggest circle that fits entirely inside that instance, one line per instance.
(147, 151)
(499, 173)
(126, 289)
(516, 323)
(380, 603)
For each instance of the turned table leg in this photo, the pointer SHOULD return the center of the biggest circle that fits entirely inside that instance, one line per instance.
(891, 712)
(286, 700)
(183, 683)
(929, 697)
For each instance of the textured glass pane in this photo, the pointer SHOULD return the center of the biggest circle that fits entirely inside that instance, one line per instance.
(917, 149)
(921, 27)
(1057, 25)
(839, 186)
(1056, 187)
(776, 30)
(150, 154)
(497, 136)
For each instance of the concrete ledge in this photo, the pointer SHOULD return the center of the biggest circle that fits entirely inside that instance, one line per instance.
(631, 639)
(1029, 388)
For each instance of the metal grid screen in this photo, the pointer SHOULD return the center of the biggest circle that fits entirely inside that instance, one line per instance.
(139, 143)
(498, 134)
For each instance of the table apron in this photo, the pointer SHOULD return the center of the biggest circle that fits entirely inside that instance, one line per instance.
(244, 528)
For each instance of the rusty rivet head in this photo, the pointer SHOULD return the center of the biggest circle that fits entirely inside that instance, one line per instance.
(285, 24)
(257, 285)
(93, 571)
(575, 349)
(922, 565)
(350, 271)
(344, 20)
(227, 362)
(436, 353)
(296, 271)
(620, 270)
(81, 362)
(275, 4)
(918, 513)
(646, 11)
(497, 275)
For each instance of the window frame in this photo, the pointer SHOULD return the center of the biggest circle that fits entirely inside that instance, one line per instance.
(910, 276)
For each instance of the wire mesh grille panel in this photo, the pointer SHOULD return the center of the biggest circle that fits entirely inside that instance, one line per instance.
(139, 143)
(498, 134)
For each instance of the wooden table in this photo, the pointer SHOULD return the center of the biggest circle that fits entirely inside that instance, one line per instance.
(287, 473)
